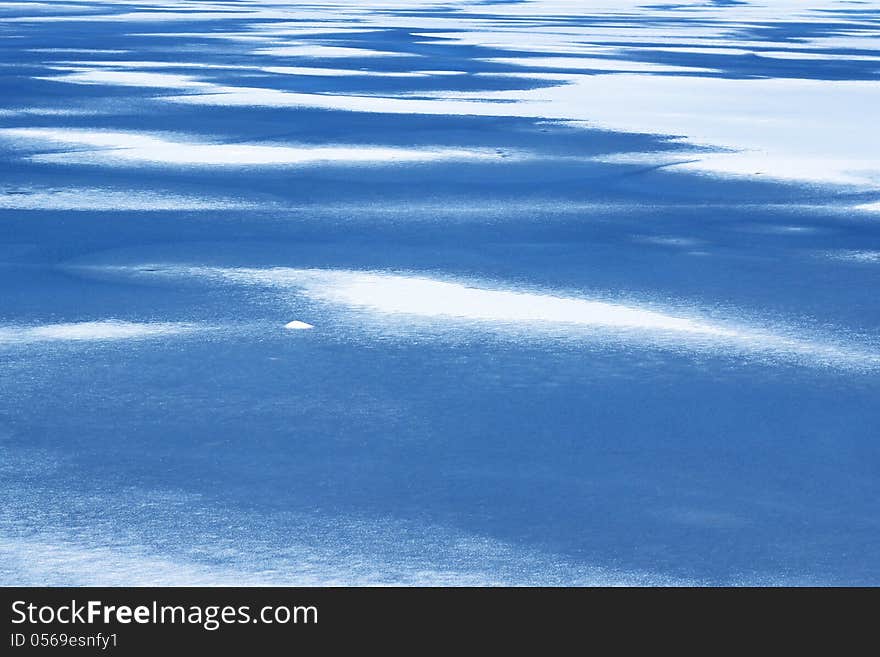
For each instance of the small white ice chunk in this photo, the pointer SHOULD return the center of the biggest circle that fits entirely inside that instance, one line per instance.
(297, 325)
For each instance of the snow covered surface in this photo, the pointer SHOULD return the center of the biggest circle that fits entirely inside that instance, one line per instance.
(420, 292)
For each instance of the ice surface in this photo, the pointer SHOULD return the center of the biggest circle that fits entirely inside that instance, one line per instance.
(585, 292)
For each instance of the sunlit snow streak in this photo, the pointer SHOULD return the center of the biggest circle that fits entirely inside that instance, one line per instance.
(759, 125)
(95, 331)
(450, 305)
(131, 73)
(794, 127)
(131, 79)
(108, 147)
(215, 547)
(110, 200)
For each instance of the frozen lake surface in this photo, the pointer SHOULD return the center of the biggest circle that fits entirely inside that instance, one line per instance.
(411, 292)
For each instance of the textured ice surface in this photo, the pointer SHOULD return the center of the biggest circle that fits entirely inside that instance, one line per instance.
(587, 291)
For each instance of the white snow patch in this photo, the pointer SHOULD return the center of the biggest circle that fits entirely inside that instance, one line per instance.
(110, 147)
(596, 63)
(452, 305)
(131, 79)
(96, 331)
(318, 51)
(102, 199)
